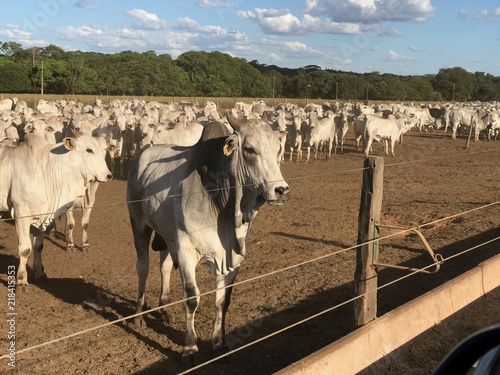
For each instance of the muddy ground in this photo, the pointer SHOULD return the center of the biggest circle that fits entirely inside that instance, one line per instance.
(431, 177)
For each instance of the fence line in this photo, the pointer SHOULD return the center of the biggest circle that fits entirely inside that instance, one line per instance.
(282, 270)
(233, 187)
(389, 283)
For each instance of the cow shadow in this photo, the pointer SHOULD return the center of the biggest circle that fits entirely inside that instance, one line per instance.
(102, 302)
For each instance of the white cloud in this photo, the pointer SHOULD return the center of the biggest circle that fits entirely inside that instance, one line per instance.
(275, 58)
(214, 4)
(187, 24)
(273, 21)
(393, 56)
(283, 22)
(377, 11)
(148, 20)
(14, 33)
(481, 15)
(413, 48)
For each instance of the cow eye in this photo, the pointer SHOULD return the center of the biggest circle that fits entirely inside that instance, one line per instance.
(90, 151)
(250, 151)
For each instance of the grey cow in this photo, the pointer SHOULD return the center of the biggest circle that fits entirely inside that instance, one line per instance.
(200, 202)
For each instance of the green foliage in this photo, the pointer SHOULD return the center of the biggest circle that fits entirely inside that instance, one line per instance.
(14, 78)
(216, 74)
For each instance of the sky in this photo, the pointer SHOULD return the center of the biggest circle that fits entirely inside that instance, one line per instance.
(404, 37)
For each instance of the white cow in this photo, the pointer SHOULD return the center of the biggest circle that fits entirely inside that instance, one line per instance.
(322, 130)
(179, 134)
(389, 129)
(341, 123)
(85, 203)
(40, 182)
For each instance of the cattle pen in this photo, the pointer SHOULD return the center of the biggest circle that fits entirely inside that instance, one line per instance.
(295, 292)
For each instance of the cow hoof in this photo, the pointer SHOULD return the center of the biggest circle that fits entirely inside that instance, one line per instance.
(139, 321)
(22, 281)
(190, 359)
(165, 317)
(85, 248)
(70, 248)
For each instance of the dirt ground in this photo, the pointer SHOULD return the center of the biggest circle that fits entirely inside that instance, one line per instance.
(431, 177)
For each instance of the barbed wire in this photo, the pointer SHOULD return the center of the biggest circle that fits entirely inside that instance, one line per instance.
(255, 278)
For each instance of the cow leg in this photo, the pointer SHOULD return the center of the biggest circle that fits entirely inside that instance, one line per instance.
(330, 146)
(85, 228)
(368, 146)
(24, 249)
(222, 300)
(38, 270)
(70, 225)
(454, 132)
(91, 192)
(191, 296)
(166, 264)
(142, 237)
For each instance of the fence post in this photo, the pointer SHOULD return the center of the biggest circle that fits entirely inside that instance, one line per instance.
(365, 277)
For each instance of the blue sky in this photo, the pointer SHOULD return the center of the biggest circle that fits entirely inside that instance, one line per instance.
(389, 36)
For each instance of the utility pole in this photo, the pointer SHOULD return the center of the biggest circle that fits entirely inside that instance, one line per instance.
(42, 79)
(336, 91)
(274, 85)
(453, 93)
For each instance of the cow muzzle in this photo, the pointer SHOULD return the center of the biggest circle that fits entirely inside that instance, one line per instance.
(109, 177)
(282, 195)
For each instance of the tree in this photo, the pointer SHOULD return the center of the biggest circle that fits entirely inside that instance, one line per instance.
(12, 50)
(14, 78)
(454, 84)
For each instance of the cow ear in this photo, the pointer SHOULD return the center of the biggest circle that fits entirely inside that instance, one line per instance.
(230, 145)
(70, 143)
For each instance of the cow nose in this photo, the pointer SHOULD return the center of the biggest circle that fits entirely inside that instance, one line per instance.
(109, 176)
(282, 192)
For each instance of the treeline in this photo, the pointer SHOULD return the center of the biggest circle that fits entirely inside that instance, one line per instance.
(216, 74)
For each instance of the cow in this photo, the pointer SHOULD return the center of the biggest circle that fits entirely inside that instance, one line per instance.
(341, 123)
(322, 130)
(295, 137)
(179, 134)
(200, 201)
(40, 182)
(389, 129)
(85, 203)
(478, 119)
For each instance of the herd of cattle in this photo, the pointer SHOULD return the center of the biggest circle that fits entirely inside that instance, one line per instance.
(131, 125)
(197, 177)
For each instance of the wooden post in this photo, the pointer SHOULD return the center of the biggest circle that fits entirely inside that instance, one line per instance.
(365, 277)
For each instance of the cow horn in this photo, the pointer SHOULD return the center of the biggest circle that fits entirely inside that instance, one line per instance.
(234, 122)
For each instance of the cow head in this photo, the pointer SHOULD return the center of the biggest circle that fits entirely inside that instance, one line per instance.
(88, 157)
(257, 147)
